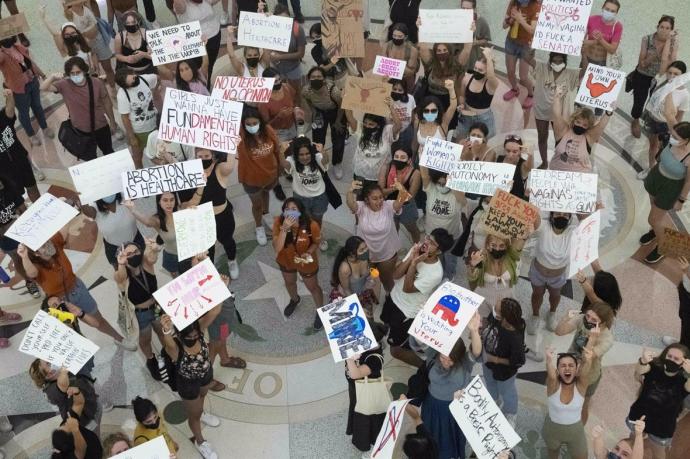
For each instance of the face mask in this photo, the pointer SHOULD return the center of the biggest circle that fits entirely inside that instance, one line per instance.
(153, 425)
(474, 139)
(71, 39)
(189, 342)
(252, 129)
(252, 61)
(579, 130)
(206, 163)
(7, 43)
(277, 86)
(608, 16)
(317, 42)
(671, 366)
(430, 117)
(588, 325)
(498, 254)
(399, 165)
(398, 41)
(560, 223)
(442, 56)
(316, 84)
(131, 28)
(444, 190)
(135, 260)
(478, 75)
(368, 131)
(557, 67)
(612, 455)
(396, 96)
(364, 256)
(291, 213)
(109, 199)
(55, 368)
(48, 250)
(77, 79)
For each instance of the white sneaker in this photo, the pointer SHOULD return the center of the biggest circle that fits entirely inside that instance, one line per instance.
(35, 140)
(261, 235)
(643, 174)
(534, 355)
(49, 132)
(668, 340)
(224, 18)
(119, 135)
(126, 345)
(206, 450)
(338, 171)
(38, 173)
(551, 322)
(323, 246)
(5, 425)
(209, 419)
(532, 325)
(234, 269)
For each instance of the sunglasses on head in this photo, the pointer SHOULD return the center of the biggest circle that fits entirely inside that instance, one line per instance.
(430, 110)
(514, 137)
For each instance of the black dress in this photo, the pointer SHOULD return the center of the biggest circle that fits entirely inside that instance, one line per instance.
(364, 428)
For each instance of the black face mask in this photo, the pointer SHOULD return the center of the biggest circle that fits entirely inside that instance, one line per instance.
(7, 42)
(153, 425)
(579, 130)
(135, 260)
(276, 87)
(316, 84)
(317, 42)
(252, 61)
(368, 132)
(131, 28)
(498, 254)
(588, 325)
(397, 96)
(399, 165)
(71, 39)
(206, 163)
(189, 342)
(478, 75)
(398, 41)
(560, 223)
(671, 366)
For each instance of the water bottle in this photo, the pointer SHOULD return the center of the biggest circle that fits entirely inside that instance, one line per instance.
(4, 277)
(371, 278)
(162, 370)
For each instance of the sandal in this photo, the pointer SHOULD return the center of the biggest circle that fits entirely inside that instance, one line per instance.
(7, 317)
(4, 343)
(234, 362)
(217, 386)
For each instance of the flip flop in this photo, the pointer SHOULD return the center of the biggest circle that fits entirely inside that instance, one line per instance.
(4, 343)
(217, 386)
(8, 317)
(234, 362)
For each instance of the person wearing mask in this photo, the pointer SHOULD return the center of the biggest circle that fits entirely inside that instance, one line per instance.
(335, 71)
(476, 94)
(159, 152)
(131, 48)
(405, 107)
(514, 152)
(604, 33)
(72, 440)
(406, 13)
(657, 51)
(481, 38)
(69, 41)
(432, 120)
(116, 443)
(684, 306)
(602, 289)
(54, 306)
(521, 21)
(474, 145)
(665, 384)
(288, 64)
(399, 47)
(624, 449)
(192, 77)
(440, 68)
(202, 11)
(282, 111)
(136, 108)
(401, 170)
(420, 444)
(150, 425)
(255, 59)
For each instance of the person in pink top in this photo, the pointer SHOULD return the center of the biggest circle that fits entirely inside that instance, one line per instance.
(604, 32)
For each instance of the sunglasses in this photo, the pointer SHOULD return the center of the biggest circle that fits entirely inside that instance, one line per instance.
(429, 110)
(513, 137)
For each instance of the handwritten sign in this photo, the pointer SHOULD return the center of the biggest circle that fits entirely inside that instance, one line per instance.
(192, 294)
(562, 26)
(446, 26)
(388, 441)
(176, 43)
(444, 317)
(200, 121)
(195, 230)
(584, 243)
(152, 449)
(102, 176)
(267, 32)
(140, 183)
(481, 177)
(342, 28)
(49, 339)
(13, 25)
(509, 216)
(482, 422)
(562, 191)
(675, 244)
(243, 89)
(346, 328)
(600, 87)
(367, 95)
(41, 221)
(440, 155)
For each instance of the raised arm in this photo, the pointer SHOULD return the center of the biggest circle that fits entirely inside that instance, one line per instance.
(151, 252)
(226, 167)
(149, 220)
(350, 199)
(452, 106)
(237, 64)
(168, 342)
(491, 78)
(551, 373)
(29, 267)
(48, 86)
(560, 125)
(9, 103)
(596, 132)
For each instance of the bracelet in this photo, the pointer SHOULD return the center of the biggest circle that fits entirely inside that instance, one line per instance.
(582, 281)
(81, 314)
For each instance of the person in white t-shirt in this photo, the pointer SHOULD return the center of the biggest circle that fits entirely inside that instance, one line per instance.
(404, 105)
(135, 106)
(160, 151)
(416, 277)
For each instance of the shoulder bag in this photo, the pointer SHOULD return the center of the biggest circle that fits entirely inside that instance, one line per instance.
(373, 395)
(125, 315)
(81, 145)
(418, 384)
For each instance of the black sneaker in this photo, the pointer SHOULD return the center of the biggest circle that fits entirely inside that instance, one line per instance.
(33, 289)
(654, 256)
(648, 237)
(317, 322)
(290, 308)
(152, 365)
(278, 191)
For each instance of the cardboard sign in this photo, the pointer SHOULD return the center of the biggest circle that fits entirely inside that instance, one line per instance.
(388, 441)
(342, 28)
(481, 177)
(200, 121)
(263, 31)
(140, 183)
(49, 339)
(600, 87)
(13, 25)
(444, 317)
(41, 221)
(481, 420)
(562, 191)
(192, 294)
(243, 89)
(509, 216)
(152, 449)
(584, 243)
(446, 26)
(440, 155)
(346, 328)
(389, 67)
(562, 26)
(675, 244)
(367, 95)
(102, 176)
(195, 230)
(176, 43)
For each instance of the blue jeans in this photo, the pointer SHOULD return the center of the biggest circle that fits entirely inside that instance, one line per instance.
(506, 390)
(31, 99)
(450, 264)
(80, 296)
(465, 122)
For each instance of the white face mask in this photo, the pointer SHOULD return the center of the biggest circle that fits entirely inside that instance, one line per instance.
(557, 67)
(474, 139)
(608, 16)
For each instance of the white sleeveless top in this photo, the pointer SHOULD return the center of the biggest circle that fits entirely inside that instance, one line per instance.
(563, 414)
(259, 71)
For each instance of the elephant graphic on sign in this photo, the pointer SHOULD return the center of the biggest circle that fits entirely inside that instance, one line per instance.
(448, 305)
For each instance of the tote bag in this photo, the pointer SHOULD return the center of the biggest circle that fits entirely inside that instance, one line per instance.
(373, 395)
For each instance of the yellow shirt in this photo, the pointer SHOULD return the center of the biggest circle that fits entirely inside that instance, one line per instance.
(143, 434)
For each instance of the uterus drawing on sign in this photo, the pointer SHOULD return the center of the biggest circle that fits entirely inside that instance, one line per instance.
(559, 14)
(364, 92)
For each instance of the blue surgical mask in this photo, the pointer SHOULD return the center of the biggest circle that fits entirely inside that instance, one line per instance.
(77, 79)
(252, 129)
(109, 199)
(291, 213)
(430, 117)
(608, 16)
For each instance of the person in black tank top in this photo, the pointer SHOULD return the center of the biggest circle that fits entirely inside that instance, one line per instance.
(513, 150)
(402, 170)
(138, 59)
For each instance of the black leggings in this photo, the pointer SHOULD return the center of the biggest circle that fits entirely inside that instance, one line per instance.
(150, 10)
(296, 7)
(641, 85)
(103, 138)
(337, 135)
(225, 231)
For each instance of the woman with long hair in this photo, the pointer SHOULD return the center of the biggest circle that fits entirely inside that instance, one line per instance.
(69, 41)
(405, 107)
(476, 94)
(515, 152)
(399, 47)
(401, 170)
(131, 48)
(353, 274)
(440, 66)
(191, 77)
(255, 62)
(202, 11)
(603, 288)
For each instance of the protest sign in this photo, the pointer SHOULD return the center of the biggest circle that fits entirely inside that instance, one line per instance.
(140, 183)
(47, 338)
(444, 317)
(509, 216)
(258, 30)
(151, 449)
(562, 191)
(446, 26)
(342, 28)
(176, 43)
(389, 67)
(13, 25)
(584, 243)
(655, 103)
(41, 221)
(195, 230)
(562, 26)
(600, 87)
(102, 176)
(243, 89)
(481, 420)
(387, 442)
(192, 294)
(200, 121)
(440, 155)
(674, 244)
(367, 95)
(481, 177)
(346, 328)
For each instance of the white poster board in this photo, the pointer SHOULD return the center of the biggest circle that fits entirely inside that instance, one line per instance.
(600, 87)
(176, 43)
(481, 420)
(440, 155)
(243, 89)
(200, 121)
(480, 177)
(346, 327)
(389, 67)
(152, 449)
(562, 26)
(192, 294)
(41, 221)
(655, 103)
(195, 230)
(102, 176)
(391, 430)
(446, 26)
(185, 175)
(562, 191)
(49, 339)
(584, 243)
(264, 31)
(444, 316)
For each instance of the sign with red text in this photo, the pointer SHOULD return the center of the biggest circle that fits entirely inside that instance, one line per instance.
(446, 26)
(200, 121)
(562, 26)
(563, 191)
(584, 243)
(444, 317)
(166, 178)
(508, 216)
(600, 87)
(176, 43)
(243, 89)
(389, 67)
(388, 444)
(440, 155)
(192, 294)
(481, 177)
(346, 327)
(257, 30)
